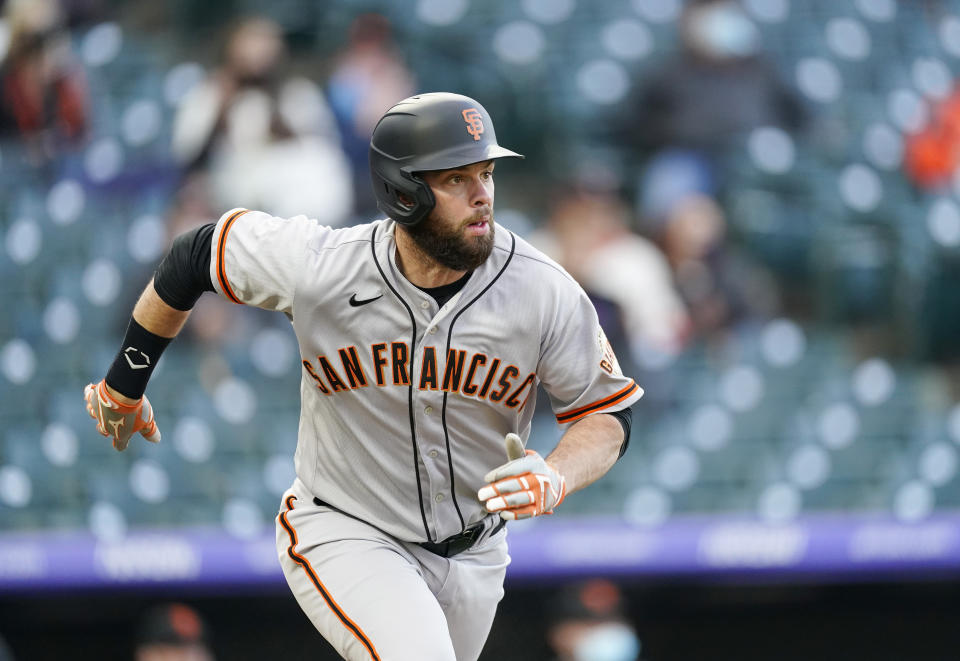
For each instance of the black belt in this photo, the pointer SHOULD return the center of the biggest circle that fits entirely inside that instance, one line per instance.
(449, 547)
(459, 543)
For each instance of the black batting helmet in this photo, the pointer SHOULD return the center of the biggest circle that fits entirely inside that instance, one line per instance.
(433, 131)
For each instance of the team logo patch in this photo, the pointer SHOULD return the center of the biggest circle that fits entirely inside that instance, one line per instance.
(608, 361)
(474, 121)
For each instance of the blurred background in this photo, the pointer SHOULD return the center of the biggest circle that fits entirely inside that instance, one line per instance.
(760, 196)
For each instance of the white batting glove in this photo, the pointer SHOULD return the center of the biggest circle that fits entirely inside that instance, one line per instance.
(120, 421)
(523, 487)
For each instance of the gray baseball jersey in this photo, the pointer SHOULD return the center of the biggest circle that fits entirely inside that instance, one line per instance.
(404, 404)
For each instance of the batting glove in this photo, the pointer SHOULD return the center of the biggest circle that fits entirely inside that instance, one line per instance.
(523, 487)
(120, 421)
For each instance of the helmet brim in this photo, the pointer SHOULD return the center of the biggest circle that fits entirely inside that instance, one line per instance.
(458, 157)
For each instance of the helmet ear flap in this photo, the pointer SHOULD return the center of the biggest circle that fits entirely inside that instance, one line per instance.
(407, 199)
(435, 131)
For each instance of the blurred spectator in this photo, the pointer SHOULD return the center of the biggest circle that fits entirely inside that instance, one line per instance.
(172, 632)
(589, 235)
(42, 93)
(588, 624)
(719, 286)
(933, 153)
(368, 78)
(682, 121)
(670, 178)
(718, 87)
(264, 139)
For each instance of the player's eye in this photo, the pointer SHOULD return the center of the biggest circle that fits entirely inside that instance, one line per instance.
(487, 174)
(456, 179)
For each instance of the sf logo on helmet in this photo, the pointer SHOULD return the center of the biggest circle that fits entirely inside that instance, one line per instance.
(474, 121)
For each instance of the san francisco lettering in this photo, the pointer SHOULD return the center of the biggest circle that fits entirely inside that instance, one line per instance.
(474, 375)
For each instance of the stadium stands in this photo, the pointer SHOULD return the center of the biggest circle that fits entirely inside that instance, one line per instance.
(774, 418)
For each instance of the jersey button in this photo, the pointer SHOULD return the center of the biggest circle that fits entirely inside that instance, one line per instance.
(432, 330)
(438, 498)
(424, 304)
(428, 410)
(433, 454)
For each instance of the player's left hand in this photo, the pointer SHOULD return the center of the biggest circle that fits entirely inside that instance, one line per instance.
(523, 487)
(120, 421)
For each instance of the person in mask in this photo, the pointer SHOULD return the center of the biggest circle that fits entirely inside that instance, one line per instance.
(718, 86)
(589, 624)
(253, 135)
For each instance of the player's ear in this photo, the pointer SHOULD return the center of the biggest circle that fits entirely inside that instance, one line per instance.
(405, 200)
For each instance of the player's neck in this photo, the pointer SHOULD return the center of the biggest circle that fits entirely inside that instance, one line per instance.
(420, 268)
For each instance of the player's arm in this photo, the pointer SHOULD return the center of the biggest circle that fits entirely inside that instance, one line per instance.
(159, 319)
(117, 402)
(589, 448)
(529, 485)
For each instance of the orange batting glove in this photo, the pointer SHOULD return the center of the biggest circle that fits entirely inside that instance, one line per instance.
(523, 487)
(120, 421)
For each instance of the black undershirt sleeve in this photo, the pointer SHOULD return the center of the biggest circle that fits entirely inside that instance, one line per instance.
(184, 274)
(625, 417)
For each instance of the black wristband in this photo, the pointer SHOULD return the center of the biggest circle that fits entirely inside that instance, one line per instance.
(136, 360)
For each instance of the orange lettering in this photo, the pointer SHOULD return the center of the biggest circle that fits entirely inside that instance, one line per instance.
(510, 373)
(453, 370)
(398, 352)
(335, 381)
(478, 360)
(378, 361)
(486, 382)
(351, 365)
(428, 370)
(512, 401)
(313, 375)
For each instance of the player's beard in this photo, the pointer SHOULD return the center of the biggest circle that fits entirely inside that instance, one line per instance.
(446, 243)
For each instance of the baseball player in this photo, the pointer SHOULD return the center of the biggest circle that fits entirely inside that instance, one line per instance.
(423, 338)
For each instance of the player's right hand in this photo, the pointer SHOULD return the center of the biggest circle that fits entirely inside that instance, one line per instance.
(120, 421)
(525, 486)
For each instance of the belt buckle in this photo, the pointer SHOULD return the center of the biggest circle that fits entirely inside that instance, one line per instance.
(456, 544)
(465, 540)
(473, 533)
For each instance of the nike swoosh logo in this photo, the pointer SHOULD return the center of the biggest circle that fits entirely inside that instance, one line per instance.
(355, 303)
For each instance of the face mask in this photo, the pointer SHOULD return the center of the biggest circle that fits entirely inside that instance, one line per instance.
(608, 642)
(724, 31)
